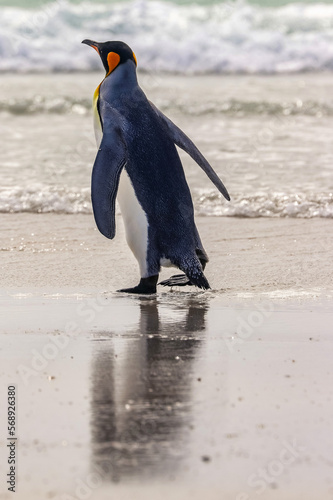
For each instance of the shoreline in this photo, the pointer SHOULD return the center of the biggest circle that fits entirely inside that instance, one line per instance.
(248, 257)
(158, 395)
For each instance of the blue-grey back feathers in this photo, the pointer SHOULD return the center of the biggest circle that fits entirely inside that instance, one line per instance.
(141, 139)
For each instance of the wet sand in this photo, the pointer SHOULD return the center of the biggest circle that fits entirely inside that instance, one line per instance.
(180, 395)
(280, 257)
(220, 394)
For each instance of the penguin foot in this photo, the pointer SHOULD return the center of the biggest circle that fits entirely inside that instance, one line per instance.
(146, 286)
(177, 280)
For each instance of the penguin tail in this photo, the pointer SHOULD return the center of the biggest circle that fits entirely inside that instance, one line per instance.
(194, 272)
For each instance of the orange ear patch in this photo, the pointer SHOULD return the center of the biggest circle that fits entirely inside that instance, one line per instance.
(113, 61)
(136, 62)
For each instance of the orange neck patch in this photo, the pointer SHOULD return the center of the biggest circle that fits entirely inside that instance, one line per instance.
(96, 93)
(96, 96)
(113, 61)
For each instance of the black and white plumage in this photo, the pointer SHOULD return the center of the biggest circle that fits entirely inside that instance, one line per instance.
(137, 162)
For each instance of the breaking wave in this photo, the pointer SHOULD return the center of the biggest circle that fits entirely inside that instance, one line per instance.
(226, 37)
(62, 200)
(261, 204)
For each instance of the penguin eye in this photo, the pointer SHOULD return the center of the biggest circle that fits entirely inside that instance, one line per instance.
(113, 60)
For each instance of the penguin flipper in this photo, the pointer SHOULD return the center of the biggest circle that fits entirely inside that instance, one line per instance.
(109, 162)
(185, 143)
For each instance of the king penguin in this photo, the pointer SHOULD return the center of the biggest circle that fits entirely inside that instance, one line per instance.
(137, 162)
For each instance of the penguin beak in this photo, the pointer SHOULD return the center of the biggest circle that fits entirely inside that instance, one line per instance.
(91, 43)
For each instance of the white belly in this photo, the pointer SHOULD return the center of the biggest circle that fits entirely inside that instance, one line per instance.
(166, 262)
(135, 221)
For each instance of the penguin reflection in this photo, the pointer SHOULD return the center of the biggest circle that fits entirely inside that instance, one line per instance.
(141, 393)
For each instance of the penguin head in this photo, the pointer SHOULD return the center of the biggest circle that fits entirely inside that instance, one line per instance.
(112, 54)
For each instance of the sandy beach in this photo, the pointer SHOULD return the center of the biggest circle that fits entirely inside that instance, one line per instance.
(280, 257)
(225, 393)
(190, 395)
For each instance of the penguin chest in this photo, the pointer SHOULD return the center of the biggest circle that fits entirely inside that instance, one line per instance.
(135, 221)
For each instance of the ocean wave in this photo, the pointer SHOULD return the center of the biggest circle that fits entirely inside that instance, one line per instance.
(226, 37)
(45, 199)
(262, 204)
(41, 104)
(64, 200)
(65, 105)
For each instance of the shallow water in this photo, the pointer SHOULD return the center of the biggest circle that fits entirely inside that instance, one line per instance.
(268, 137)
(176, 395)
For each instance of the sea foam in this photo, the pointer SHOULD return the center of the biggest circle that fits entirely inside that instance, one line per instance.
(64, 200)
(226, 37)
